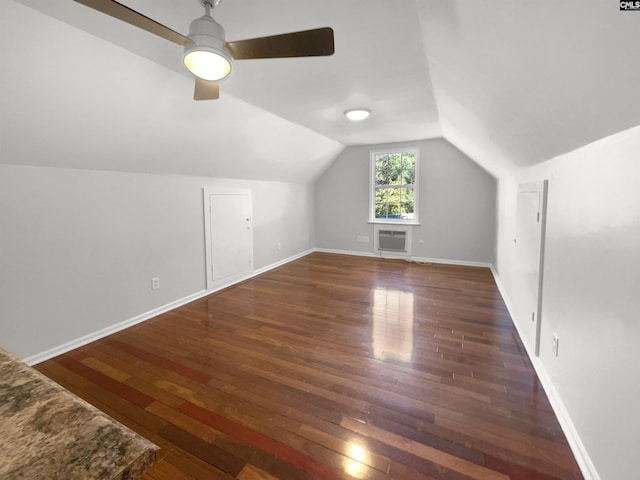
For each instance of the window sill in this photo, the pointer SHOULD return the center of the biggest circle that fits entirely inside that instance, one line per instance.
(395, 222)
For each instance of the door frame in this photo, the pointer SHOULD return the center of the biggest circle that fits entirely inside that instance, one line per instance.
(206, 193)
(541, 187)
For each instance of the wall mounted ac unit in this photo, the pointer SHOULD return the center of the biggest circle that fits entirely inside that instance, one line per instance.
(392, 241)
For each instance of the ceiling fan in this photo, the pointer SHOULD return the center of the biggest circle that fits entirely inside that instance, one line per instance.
(206, 52)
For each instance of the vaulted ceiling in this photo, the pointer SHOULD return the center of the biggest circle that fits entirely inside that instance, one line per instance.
(510, 82)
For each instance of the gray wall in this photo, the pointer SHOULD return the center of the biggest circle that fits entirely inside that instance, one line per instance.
(78, 248)
(590, 295)
(457, 201)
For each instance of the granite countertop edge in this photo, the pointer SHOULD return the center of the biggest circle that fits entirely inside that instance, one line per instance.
(48, 432)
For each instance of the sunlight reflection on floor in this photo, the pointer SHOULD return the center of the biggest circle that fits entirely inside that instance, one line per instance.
(392, 331)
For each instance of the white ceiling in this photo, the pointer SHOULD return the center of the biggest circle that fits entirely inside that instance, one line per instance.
(518, 82)
(510, 82)
(377, 45)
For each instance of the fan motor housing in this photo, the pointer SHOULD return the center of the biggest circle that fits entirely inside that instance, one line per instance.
(207, 35)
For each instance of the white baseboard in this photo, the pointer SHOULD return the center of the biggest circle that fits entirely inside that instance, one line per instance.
(503, 292)
(85, 339)
(282, 262)
(575, 443)
(345, 252)
(581, 454)
(104, 332)
(446, 261)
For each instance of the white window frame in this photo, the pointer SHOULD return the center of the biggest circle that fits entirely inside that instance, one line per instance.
(372, 187)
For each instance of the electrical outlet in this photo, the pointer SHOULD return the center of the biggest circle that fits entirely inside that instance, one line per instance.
(421, 242)
(363, 239)
(279, 245)
(155, 283)
(554, 344)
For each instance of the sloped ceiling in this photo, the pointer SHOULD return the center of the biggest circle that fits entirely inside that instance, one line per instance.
(509, 82)
(518, 82)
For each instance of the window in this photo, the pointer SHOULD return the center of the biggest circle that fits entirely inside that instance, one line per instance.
(394, 188)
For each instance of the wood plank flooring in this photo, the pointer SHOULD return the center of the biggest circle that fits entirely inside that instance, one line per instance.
(331, 367)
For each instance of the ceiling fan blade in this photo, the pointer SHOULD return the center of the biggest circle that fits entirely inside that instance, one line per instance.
(206, 90)
(308, 43)
(126, 14)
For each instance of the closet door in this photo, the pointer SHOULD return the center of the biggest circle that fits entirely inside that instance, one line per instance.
(228, 235)
(530, 224)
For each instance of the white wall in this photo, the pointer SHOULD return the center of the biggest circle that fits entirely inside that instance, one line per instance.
(457, 202)
(78, 248)
(69, 99)
(590, 294)
(520, 82)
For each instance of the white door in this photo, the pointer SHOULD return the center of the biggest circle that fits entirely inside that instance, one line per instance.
(228, 235)
(530, 222)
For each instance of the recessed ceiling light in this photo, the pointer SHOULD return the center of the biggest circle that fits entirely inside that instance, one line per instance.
(357, 114)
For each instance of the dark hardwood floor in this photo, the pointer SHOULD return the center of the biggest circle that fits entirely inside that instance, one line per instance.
(331, 367)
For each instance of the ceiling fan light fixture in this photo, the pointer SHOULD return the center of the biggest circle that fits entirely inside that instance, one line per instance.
(207, 64)
(206, 56)
(357, 114)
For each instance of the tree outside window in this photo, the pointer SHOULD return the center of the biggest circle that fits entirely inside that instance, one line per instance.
(394, 185)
